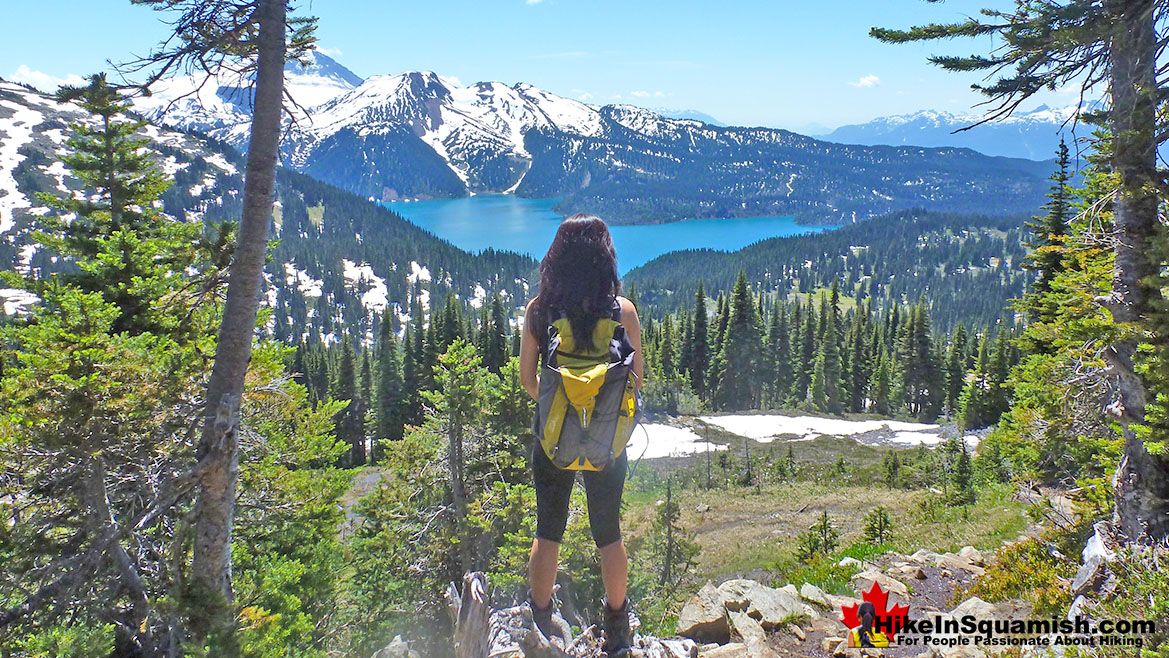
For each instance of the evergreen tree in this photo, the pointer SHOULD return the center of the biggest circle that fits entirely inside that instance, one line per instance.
(667, 356)
(962, 480)
(496, 328)
(955, 368)
(858, 372)
(118, 238)
(826, 394)
(738, 359)
(632, 296)
(723, 317)
(807, 361)
(892, 468)
(350, 425)
(411, 377)
(98, 389)
(390, 409)
(919, 374)
(779, 356)
(878, 526)
(881, 386)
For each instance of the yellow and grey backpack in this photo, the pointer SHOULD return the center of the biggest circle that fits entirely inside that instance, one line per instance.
(588, 402)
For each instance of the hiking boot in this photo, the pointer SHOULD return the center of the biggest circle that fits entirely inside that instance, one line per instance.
(543, 618)
(618, 634)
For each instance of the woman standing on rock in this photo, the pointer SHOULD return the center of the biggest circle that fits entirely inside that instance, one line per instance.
(580, 358)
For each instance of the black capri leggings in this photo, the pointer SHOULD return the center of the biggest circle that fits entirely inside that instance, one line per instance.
(554, 491)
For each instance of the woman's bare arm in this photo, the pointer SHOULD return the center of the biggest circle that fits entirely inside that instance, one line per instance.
(633, 330)
(529, 356)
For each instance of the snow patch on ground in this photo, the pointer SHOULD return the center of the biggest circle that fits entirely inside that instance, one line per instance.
(58, 171)
(376, 298)
(653, 440)
(24, 261)
(766, 428)
(479, 297)
(17, 301)
(307, 285)
(218, 160)
(418, 273)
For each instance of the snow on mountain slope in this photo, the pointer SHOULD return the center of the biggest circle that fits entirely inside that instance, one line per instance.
(221, 106)
(477, 130)
(16, 127)
(472, 128)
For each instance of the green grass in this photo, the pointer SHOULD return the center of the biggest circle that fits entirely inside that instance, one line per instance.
(316, 214)
(846, 302)
(751, 531)
(823, 572)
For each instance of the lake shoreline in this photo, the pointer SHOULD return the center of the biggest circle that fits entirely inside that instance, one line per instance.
(505, 222)
(799, 221)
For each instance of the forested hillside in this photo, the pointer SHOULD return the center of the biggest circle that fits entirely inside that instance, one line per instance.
(965, 267)
(649, 169)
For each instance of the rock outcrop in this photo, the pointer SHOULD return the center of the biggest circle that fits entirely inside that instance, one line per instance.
(704, 617)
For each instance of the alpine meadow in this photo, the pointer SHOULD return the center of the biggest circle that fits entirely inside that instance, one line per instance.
(302, 362)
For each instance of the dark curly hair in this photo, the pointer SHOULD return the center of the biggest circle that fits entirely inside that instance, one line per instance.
(579, 277)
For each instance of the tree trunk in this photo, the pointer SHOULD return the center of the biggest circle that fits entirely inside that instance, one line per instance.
(458, 485)
(1142, 480)
(132, 637)
(219, 443)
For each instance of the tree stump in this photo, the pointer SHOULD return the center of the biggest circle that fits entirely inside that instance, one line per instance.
(470, 611)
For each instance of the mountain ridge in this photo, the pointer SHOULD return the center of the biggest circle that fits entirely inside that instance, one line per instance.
(420, 135)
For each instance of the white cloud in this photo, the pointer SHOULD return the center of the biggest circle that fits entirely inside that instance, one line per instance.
(533, 2)
(647, 94)
(44, 81)
(869, 80)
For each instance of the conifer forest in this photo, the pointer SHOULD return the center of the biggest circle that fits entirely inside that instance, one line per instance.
(249, 407)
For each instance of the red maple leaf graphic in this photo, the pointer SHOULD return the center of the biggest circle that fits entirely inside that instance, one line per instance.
(886, 620)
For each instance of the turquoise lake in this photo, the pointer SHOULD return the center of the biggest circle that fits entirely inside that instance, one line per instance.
(526, 226)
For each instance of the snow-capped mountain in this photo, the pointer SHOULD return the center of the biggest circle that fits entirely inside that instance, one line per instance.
(478, 130)
(419, 135)
(220, 107)
(1034, 135)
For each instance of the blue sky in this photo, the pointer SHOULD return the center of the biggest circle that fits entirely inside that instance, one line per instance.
(797, 65)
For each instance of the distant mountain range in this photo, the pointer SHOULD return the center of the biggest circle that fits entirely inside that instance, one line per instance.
(418, 135)
(688, 114)
(1034, 135)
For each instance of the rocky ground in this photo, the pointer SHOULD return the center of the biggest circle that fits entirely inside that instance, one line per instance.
(742, 618)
